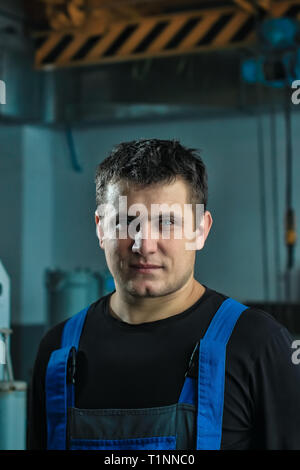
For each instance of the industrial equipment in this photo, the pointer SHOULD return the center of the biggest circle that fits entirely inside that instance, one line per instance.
(12, 393)
(70, 292)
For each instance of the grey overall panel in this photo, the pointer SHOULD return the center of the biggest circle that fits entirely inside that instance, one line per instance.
(114, 424)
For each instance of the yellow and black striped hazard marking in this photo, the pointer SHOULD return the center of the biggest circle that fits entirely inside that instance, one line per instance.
(155, 36)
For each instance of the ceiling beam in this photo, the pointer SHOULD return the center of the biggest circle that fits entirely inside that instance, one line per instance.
(101, 39)
(247, 5)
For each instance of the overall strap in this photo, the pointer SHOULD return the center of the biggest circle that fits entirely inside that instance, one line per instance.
(211, 374)
(72, 329)
(59, 395)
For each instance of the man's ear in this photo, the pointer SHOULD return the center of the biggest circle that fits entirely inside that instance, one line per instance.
(203, 230)
(99, 230)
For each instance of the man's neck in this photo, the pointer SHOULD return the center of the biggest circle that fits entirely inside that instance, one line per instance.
(145, 310)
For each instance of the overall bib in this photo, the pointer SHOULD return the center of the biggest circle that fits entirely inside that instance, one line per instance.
(195, 422)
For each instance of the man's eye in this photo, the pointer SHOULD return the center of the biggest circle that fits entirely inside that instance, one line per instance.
(167, 222)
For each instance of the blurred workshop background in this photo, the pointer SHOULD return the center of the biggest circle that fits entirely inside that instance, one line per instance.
(78, 77)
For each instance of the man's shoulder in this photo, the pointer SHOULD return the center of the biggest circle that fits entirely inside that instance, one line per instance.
(252, 318)
(253, 321)
(51, 339)
(256, 331)
(259, 323)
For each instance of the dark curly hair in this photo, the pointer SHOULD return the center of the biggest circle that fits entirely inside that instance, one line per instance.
(149, 161)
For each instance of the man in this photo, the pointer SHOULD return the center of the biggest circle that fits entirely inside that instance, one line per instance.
(163, 362)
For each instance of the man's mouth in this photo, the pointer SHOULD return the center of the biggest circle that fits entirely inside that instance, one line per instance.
(145, 268)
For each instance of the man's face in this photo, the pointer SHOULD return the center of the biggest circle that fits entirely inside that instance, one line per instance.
(147, 244)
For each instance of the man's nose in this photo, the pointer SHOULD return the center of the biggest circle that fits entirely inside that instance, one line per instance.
(144, 241)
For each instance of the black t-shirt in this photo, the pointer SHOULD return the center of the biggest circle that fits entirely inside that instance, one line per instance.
(120, 365)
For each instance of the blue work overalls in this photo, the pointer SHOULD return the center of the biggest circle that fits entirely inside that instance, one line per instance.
(195, 422)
